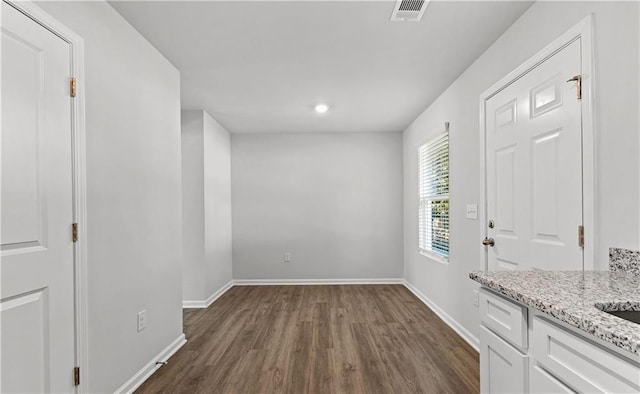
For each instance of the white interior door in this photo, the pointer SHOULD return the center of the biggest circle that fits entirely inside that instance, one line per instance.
(37, 263)
(534, 168)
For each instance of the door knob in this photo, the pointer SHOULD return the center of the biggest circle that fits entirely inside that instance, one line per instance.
(488, 242)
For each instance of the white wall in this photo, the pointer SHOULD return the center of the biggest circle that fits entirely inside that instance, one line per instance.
(133, 193)
(217, 205)
(193, 206)
(617, 68)
(206, 188)
(334, 201)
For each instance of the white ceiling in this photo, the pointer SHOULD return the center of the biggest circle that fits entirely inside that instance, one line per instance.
(262, 66)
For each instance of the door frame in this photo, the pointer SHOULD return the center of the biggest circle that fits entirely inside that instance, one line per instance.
(78, 133)
(583, 31)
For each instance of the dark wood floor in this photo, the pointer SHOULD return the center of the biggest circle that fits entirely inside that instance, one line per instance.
(318, 339)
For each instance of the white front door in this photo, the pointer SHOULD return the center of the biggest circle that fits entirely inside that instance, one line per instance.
(534, 168)
(37, 257)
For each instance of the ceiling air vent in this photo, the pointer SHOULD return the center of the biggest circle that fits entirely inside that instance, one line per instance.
(409, 10)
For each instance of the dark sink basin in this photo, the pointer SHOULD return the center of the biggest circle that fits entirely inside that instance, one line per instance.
(629, 311)
(632, 316)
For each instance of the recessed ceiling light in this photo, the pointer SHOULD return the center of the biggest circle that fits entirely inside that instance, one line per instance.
(321, 108)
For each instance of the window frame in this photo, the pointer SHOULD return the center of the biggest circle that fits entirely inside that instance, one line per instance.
(437, 197)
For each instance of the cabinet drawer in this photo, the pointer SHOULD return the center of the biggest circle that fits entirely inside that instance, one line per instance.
(503, 369)
(543, 383)
(583, 365)
(506, 318)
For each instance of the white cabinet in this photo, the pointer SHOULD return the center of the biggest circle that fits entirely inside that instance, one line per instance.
(503, 369)
(503, 342)
(506, 318)
(523, 350)
(583, 365)
(542, 382)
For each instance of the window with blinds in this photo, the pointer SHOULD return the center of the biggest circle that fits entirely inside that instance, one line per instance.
(433, 172)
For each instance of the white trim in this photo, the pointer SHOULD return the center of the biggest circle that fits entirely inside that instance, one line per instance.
(589, 157)
(284, 282)
(206, 303)
(583, 31)
(471, 339)
(433, 256)
(143, 374)
(76, 44)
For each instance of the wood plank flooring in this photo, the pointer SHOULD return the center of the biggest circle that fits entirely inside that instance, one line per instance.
(318, 339)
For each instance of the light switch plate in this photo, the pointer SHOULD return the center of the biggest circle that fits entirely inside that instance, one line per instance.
(142, 320)
(472, 211)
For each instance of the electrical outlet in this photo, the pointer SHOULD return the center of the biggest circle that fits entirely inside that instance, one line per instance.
(287, 257)
(142, 320)
(475, 298)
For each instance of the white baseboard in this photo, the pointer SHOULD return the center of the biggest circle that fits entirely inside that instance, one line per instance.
(208, 301)
(266, 282)
(142, 375)
(451, 322)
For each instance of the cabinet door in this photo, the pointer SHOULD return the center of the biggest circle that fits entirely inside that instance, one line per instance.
(543, 383)
(582, 364)
(503, 369)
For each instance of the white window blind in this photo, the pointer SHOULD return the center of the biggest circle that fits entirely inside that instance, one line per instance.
(433, 221)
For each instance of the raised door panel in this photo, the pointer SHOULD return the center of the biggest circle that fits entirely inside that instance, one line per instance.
(23, 199)
(580, 363)
(543, 383)
(546, 188)
(505, 116)
(505, 193)
(25, 337)
(503, 369)
(546, 97)
(506, 318)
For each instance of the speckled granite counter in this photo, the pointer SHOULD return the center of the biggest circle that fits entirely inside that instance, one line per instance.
(571, 296)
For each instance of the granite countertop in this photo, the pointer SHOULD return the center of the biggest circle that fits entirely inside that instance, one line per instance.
(572, 296)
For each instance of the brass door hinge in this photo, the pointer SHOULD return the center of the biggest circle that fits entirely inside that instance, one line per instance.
(76, 376)
(72, 87)
(578, 79)
(74, 232)
(581, 236)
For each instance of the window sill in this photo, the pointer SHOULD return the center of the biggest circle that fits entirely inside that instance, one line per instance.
(435, 257)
